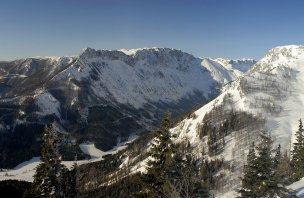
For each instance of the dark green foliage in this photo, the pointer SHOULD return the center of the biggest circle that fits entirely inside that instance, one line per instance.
(277, 158)
(23, 143)
(48, 178)
(249, 183)
(297, 161)
(208, 170)
(172, 171)
(69, 182)
(266, 185)
(186, 179)
(284, 172)
(72, 189)
(13, 188)
(160, 167)
(261, 173)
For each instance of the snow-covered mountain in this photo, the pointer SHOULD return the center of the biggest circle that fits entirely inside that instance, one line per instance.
(270, 95)
(100, 95)
(224, 70)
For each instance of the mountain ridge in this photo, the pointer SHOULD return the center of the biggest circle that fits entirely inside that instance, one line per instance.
(100, 90)
(272, 91)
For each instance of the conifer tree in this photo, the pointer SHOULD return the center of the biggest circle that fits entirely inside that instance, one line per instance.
(249, 181)
(186, 180)
(159, 167)
(48, 177)
(283, 171)
(277, 157)
(297, 161)
(261, 176)
(264, 163)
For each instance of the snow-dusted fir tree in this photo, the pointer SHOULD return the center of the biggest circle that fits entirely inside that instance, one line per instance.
(261, 177)
(48, 177)
(265, 167)
(297, 161)
(249, 180)
(159, 167)
(277, 158)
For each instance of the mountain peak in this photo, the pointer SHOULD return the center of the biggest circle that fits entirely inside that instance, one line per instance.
(86, 51)
(241, 65)
(134, 51)
(287, 51)
(280, 56)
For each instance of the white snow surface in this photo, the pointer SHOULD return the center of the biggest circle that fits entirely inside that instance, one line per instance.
(26, 170)
(138, 76)
(224, 70)
(149, 75)
(241, 65)
(298, 187)
(272, 88)
(132, 52)
(48, 104)
(279, 85)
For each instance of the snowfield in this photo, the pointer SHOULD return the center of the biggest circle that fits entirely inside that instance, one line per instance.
(26, 170)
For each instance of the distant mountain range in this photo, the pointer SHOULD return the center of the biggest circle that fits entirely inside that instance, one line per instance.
(102, 96)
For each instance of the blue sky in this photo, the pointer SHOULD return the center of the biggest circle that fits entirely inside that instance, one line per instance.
(205, 28)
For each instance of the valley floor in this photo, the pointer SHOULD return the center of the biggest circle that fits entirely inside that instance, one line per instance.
(26, 170)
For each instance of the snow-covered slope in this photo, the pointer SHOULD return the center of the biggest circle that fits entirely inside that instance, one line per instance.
(101, 95)
(224, 70)
(272, 90)
(148, 75)
(239, 65)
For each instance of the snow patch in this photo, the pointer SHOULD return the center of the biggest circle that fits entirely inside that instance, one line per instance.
(26, 170)
(48, 104)
(298, 187)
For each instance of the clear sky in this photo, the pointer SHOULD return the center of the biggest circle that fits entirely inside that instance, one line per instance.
(205, 28)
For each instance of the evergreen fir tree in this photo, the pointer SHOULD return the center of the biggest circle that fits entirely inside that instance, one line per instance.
(264, 164)
(261, 174)
(48, 177)
(283, 171)
(249, 180)
(277, 157)
(159, 167)
(185, 179)
(297, 161)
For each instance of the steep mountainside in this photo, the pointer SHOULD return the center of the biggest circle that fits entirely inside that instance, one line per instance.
(224, 70)
(101, 96)
(269, 96)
